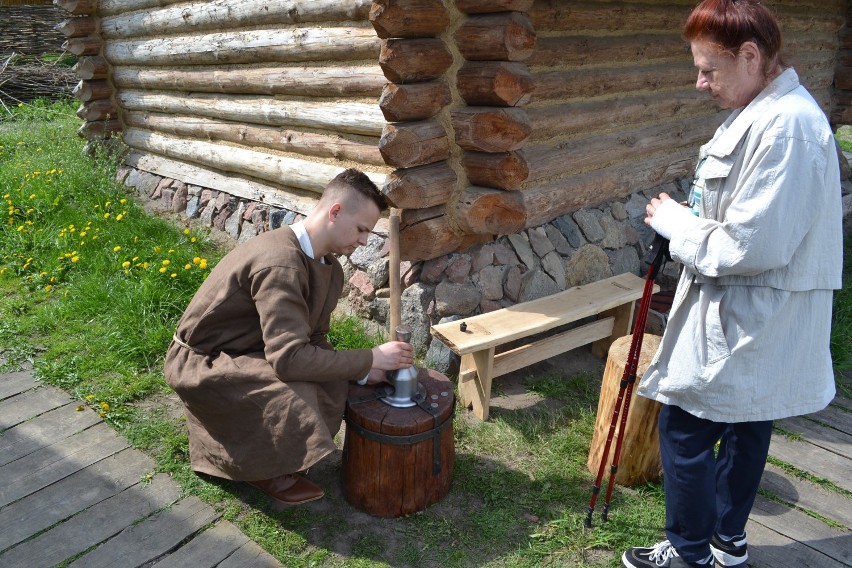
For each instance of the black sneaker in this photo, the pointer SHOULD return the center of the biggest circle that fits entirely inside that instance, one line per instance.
(661, 555)
(732, 552)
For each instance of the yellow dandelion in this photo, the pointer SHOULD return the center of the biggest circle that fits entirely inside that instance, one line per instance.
(116, 248)
(105, 406)
(119, 217)
(157, 248)
(171, 251)
(102, 414)
(203, 263)
(48, 288)
(90, 397)
(106, 215)
(122, 201)
(80, 408)
(162, 270)
(75, 258)
(196, 260)
(108, 203)
(187, 266)
(32, 196)
(144, 266)
(167, 262)
(125, 264)
(173, 274)
(193, 239)
(186, 231)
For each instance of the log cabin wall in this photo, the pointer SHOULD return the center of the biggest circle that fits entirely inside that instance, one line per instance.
(842, 108)
(264, 100)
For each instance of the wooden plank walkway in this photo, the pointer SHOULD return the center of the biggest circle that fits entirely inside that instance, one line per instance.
(73, 492)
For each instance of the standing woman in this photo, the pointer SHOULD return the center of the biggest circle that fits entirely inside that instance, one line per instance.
(761, 246)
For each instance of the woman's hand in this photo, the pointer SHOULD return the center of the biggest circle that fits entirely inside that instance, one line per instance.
(653, 205)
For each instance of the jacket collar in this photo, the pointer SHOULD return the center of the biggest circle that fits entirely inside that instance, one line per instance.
(741, 120)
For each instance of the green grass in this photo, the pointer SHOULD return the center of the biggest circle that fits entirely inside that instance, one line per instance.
(87, 297)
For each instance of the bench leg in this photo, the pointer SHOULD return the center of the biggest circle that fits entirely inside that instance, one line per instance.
(475, 389)
(623, 315)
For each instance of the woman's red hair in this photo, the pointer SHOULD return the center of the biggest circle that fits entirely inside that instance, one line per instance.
(731, 23)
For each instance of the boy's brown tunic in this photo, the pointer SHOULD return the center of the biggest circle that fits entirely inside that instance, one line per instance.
(263, 390)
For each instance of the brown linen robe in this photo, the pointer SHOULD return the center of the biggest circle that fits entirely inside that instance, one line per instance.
(264, 392)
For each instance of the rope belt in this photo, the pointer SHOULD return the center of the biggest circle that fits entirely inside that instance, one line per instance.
(184, 344)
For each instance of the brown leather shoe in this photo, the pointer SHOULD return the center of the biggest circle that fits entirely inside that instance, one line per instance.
(290, 489)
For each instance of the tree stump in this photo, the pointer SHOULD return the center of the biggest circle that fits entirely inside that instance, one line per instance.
(640, 451)
(397, 461)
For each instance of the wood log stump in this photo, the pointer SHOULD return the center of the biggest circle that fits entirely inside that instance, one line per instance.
(640, 451)
(397, 461)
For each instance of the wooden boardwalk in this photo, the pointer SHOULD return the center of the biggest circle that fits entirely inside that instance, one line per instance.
(71, 490)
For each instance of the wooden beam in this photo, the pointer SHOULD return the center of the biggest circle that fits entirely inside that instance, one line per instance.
(429, 238)
(621, 146)
(122, 19)
(488, 6)
(504, 170)
(409, 144)
(79, 26)
(306, 81)
(545, 202)
(92, 90)
(491, 130)
(583, 83)
(417, 101)
(334, 146)
(79, 46)
(578, 50)
(421, 187)
(252, 46)
(91, 67)
(584, 117)
(494, 83)
(292, 172)
(98, 130)
(354, 118)
(409, 18)
(77, 7)
(483, 210)
(100, 109)
(414, 60)
(507, 36)
(245, 187)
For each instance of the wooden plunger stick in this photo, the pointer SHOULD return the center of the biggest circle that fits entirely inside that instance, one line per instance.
(393, 268)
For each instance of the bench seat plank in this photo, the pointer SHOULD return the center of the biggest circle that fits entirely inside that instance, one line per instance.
(528, 318)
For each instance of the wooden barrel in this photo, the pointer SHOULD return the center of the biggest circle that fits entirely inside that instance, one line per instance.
(640, 452)
(397, 461)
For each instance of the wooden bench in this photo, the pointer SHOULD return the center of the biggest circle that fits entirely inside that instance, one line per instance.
(611, 300)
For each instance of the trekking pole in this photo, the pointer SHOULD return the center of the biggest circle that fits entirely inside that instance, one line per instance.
(660, 251)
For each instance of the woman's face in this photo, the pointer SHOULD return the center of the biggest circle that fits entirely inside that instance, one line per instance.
(733, 81)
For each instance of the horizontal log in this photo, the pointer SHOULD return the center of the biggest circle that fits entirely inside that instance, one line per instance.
(481, 210)
(487, 129)
(429, 238)
(254, 46)
(80, 46)
(845, 37)
(78, 27)
(417, 101)
(354, 118)
(414, 60)
(573, 17)
(92, 90)
(843, 77)
(494, 83)
(507, 36)
(101, 109)
(122, 19)
(292, 172)
(409, 18)
(578, 50)
(584, 117)
(321, 81)
(505, 170)
(99, 130)
(91, 67)
(237, 185)
(409, 144)
(583, 83)
(488, 6)
(351, 148)
(77, 7)
(410, 217)
(624, 145)
(421, 187)
(548, 201)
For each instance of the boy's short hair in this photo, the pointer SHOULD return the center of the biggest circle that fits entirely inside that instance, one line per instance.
(343, 183)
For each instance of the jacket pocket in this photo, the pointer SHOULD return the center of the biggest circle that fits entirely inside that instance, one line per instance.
(716, 344)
